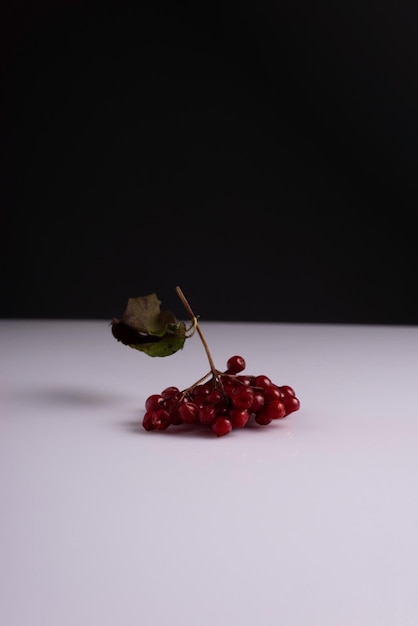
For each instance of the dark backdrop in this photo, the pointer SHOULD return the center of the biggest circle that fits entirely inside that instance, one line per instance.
(262, 155)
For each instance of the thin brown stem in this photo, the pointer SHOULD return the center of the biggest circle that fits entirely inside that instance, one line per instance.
(198, 329)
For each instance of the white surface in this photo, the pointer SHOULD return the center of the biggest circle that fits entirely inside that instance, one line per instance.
(312, 521)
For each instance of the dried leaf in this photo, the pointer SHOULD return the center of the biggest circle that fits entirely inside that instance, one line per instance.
(146, 328)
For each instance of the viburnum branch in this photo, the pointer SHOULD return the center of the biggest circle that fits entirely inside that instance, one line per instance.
(222, 400)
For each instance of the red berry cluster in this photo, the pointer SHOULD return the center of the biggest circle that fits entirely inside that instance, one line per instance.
(227, 400)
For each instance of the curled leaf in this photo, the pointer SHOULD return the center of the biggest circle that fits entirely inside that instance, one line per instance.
(145, 327)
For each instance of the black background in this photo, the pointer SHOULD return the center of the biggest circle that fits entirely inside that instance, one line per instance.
(261, 155)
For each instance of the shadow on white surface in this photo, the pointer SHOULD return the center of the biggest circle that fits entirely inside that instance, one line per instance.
(62, 397)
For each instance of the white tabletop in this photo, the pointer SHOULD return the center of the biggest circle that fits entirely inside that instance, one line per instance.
(309, 521)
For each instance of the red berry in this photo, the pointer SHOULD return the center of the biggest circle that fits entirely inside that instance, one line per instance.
(291, 404)
(221, 426)
(169, 392)
(154, 402)
(272, 393)
(173, 401)
(200, 392)
(229, 386)
(242, 398)
(161, 419)
(235, 364)
(188, 411)
(213, 397)
(258, 402)
(207, 414)
(147, 421)
(287, 391)
(262, 381)
(262, 418)
(238, 417)
(275, 409)
(175, 417)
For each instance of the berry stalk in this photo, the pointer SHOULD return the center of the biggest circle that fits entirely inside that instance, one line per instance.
(198, 329)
